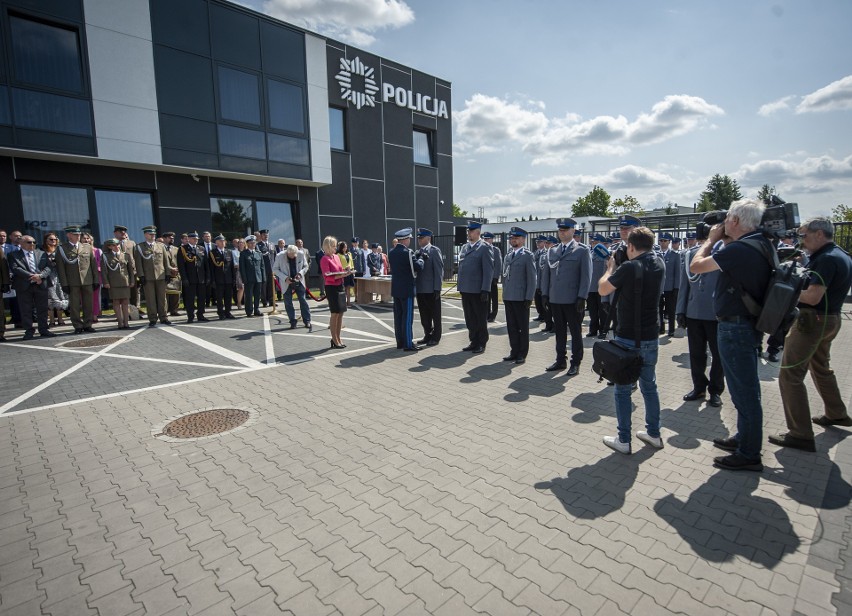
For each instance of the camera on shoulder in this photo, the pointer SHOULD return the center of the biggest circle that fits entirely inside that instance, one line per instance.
(779, 218)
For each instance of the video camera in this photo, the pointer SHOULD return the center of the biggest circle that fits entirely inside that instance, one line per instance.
(779, 218)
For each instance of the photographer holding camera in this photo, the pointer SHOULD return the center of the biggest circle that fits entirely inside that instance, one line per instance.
(808, 344)
(743, 269)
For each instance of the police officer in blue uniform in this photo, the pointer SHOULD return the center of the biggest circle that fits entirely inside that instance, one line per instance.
(476, 271)
(668, 300)
(540, 249)
(495, 277)
(429, 283)
(519, 285)
(695, 312)
(564, 287)
(597, 318)
(404, 267)
(549, 242)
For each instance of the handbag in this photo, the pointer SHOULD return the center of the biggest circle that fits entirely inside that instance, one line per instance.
(173, 286)
(612, 360)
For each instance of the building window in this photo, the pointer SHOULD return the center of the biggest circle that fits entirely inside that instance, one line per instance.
(52, 208)
(242, 142)
(423, 148)
(51, 112)
(131, 209)
(235, 217)
(286, 107)
(46, 56)
(239, 100)
(286, 149)
(337, 128)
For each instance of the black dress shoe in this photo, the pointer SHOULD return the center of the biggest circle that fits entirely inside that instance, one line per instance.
(602, 336)
(432, 343)
(592, 335)
(190, 321)
(555, 367)
(785, 440)
(413, 349)
(726, 444)
(715, 400)
(203, 319)
(469, 347)
(548, 330)
(78, 330)
(478, 350)
(165, 322)
(772, 357)
(47, 334)
(492, 319)
(258, 314)
(520, 360)
(293, 325)
(90, 329)
(736, 462)
(694, 395)
(28, 335)
(228, 315)
(574, 370)
(822, 420)
(152, 324)
(510, 358)
(423, 341)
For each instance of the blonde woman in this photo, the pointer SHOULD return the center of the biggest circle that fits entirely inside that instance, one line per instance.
(333, 274)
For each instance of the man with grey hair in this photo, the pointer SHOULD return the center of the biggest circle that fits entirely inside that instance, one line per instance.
(744, 269)
(807, 346)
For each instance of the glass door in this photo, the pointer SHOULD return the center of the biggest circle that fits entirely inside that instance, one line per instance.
(278, 218)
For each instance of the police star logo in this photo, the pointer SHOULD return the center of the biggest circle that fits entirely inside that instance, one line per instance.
(357, 83)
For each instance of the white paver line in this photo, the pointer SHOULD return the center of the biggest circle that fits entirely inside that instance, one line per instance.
(267, 342)
(375, 318)
(248, 362)
(29, 394)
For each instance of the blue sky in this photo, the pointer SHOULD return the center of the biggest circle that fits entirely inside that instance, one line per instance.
(645, 98)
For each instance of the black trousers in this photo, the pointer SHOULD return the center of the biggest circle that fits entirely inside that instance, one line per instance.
(194, 296)
(668, 304)
(32, 298)
(430, 316)
(545, 312)
(539, 307)
(492, 313)
(223, 294)
(700, 334)
(596, 314)
(565, 319)
(475, 318)
(518, 328)
(266, 290)
(251, 297)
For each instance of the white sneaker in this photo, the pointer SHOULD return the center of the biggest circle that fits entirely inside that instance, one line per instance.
(613, 443)
(654, 441)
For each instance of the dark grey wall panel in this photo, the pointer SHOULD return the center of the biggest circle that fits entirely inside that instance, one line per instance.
(243, 165)
(181, 24)
(368, 200)
(337, 198)
(32, 170)
(427, 207)
(11, 211)
(307, 214)
(445, 186)
(444, 141)
(185, 158)
(184, 84)
(235, 36)
(425, 176)
(399, 181)
(337, 226)
(183, 221)
(181, 191)
(397, 127)
(65, 9)
(283, 51)
(187, 134)
(365, 127)
(224, 187)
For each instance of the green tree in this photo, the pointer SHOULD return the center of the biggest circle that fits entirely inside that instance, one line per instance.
(841, 213)
(626, 205)
(458, 212)
(705, 204)
(765, 192)
(671, 208)
(231, 220)
(722, 191)
(596, 203)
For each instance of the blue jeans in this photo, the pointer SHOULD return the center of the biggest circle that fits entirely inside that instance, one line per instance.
(303, 305)
(647, 385)
(738, 349)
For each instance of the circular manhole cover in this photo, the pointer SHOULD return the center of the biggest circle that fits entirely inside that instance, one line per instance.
(94, 341)
(202, 424)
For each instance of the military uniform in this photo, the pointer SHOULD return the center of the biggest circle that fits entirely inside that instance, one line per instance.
(79, 273)
(268, 255)
(172, 299)
(429, 284)
(403, 288)
(222, 278)
(194, 269)
(253, 273)
(127, 247)
(519, 286)
(153, 265)
(476, 271)
(565, 286)
(119, 272)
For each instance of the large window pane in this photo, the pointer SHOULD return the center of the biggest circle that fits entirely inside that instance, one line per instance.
(337, 128)
(241, 142)
(231, 217)
(238, 97)
(288, 149)
(422, 148)
(286, 108)
(51, 112)
(5, 115)
(131, 209)
(52, 208)
(278, 218)
(46, 55)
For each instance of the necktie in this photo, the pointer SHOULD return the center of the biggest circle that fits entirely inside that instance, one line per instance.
(31, 260)
(563, 249)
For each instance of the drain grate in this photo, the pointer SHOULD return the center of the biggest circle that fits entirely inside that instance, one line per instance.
(204, 423)
(94, 341)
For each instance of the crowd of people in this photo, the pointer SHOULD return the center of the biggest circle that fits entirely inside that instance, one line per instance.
(634, 290)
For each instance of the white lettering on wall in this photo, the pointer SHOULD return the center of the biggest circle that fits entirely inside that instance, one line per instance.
(421, 103)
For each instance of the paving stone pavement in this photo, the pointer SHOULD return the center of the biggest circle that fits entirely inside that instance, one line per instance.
(376, 482)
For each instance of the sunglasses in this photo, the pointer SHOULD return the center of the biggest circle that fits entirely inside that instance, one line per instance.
(28, 242)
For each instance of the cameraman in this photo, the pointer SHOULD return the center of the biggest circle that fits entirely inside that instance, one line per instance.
(808, 344)
(742, 268)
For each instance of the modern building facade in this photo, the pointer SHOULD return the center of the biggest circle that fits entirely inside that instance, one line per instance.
(205, 115)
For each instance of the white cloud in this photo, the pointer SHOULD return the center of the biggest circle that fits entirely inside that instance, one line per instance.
(814, 169)
(352, 21)
(567, 188)
(488, 121)
(781, 104)
(833, 97)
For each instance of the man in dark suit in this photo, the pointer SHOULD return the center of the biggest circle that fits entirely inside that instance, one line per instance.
(429, 284)
(253, 273)
(403, 287)
(5, 287)
(268, 253)
(31, 270)
(222, 268)
(194, 271)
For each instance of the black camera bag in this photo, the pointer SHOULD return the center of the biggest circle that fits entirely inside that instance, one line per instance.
(615, 362)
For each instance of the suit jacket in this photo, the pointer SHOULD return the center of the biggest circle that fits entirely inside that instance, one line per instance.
(5, 278)
(268, 256)
(252, 268)
(405, 268)
(566, 277)
(21, 272)
(151, 262)
(193, 264)
(374, 263)
(598, 269)
(281, 267)
(476, 268)
(498, 262)
(538, 257)
(519, 276)
(222, 266)
(695, 298)
(431, 279)
(127, 246)
(359, 261)
(76, 265)
(671, 280)
(124, 274)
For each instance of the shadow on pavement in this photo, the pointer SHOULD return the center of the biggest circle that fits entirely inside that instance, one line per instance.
(693, 422)
(545, 385)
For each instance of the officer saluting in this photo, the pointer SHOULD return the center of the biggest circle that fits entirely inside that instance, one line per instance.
(78, 275)
(519, 282)
(476, 270)
(403, 287)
